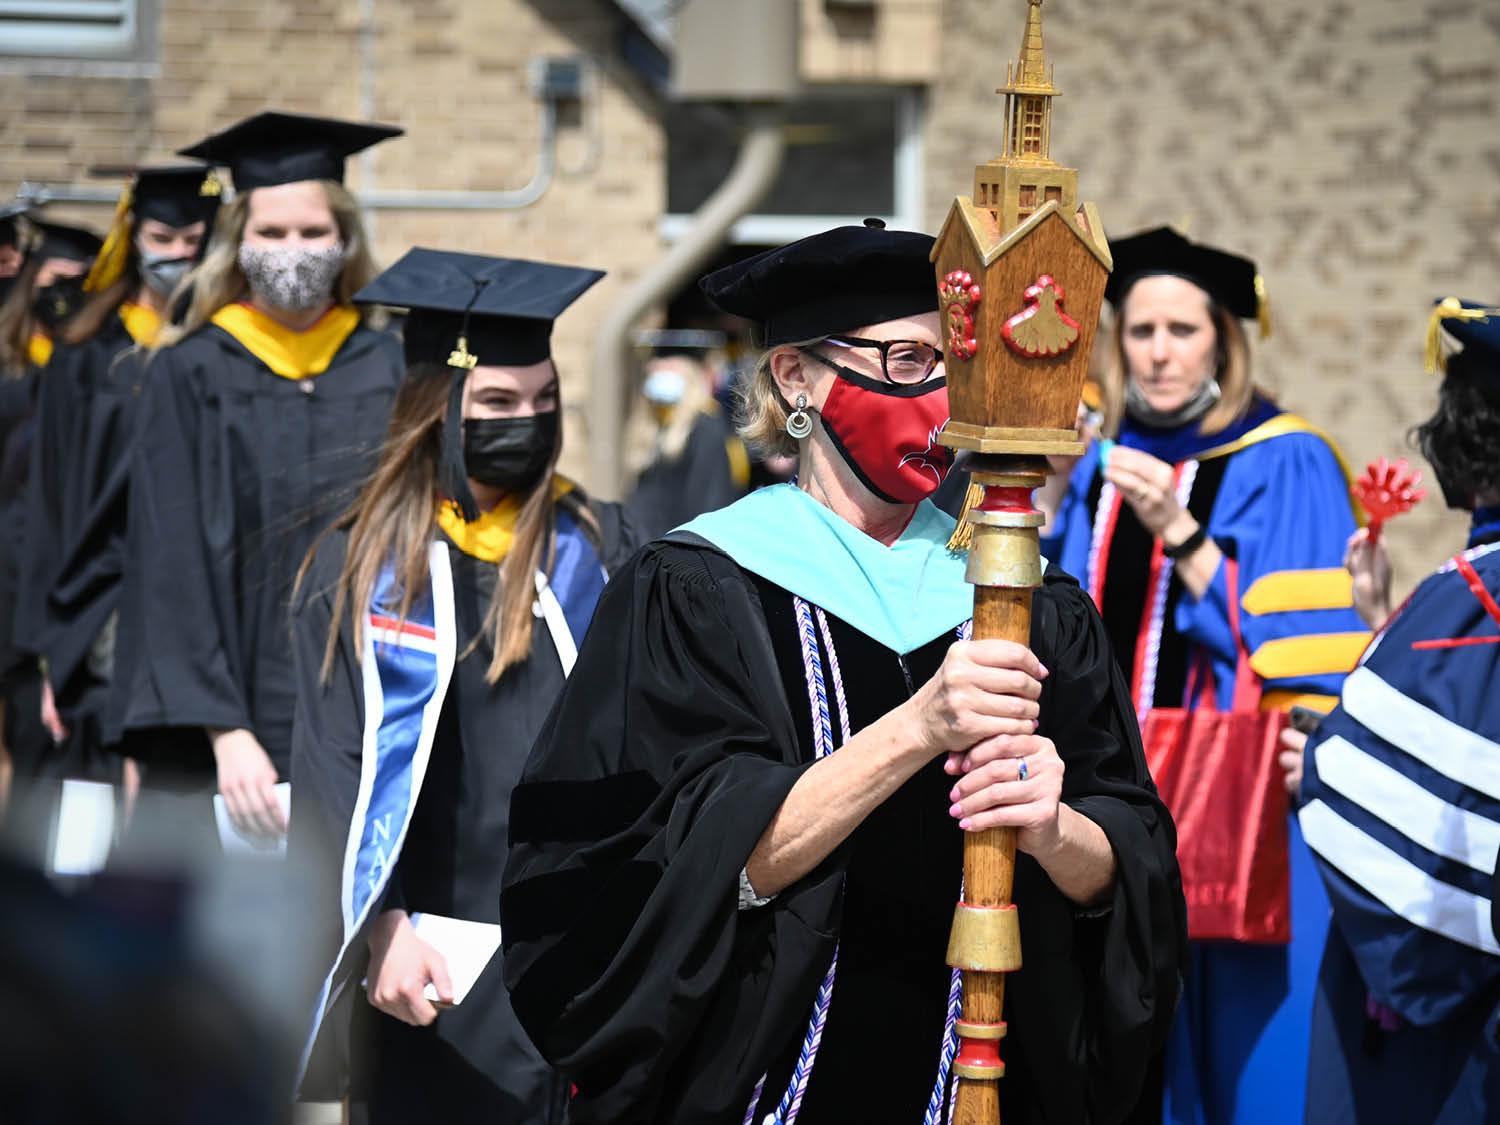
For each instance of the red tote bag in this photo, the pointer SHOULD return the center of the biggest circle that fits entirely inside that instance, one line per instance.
(1217, 773)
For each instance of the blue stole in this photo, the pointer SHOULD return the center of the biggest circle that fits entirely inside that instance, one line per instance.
(406, 669)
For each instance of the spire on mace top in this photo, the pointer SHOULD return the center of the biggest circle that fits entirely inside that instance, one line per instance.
(1028, 94)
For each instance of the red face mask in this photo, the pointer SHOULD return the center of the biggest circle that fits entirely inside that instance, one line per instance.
(888, 433)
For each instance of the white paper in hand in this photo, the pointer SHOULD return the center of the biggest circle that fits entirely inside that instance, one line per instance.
(466, 946)
(85, 827)
(237, 843)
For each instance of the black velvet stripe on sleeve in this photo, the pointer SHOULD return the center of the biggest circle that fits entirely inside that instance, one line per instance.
(620, 947)
(550, 812)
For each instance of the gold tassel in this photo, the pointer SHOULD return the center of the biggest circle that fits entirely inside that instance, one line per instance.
(115, 252)
(1262, 307)
(1449, 308)
(963, 533)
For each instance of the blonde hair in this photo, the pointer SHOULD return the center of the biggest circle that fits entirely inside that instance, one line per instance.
(761, 412)
(218, 281)
(1231, 369)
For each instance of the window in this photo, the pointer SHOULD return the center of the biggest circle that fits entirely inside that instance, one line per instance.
(851, 153)
(71, 28)
(1031, 125)
(1028, 195)
(1054, 191)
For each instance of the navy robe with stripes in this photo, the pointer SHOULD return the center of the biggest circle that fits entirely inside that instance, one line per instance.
(1401, 806)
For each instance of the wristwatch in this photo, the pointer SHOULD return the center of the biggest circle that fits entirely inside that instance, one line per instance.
(1187, 546)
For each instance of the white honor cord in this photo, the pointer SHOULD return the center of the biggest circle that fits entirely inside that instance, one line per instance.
(550, 610)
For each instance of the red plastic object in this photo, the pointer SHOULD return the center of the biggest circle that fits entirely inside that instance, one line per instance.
(1387, 490)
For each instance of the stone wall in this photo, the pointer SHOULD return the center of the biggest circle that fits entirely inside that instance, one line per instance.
(453, 73)
(1350, 148)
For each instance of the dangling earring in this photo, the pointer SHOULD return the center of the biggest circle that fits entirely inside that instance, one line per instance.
(799, 422)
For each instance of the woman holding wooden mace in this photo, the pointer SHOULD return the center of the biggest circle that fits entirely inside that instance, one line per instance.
(736, 847)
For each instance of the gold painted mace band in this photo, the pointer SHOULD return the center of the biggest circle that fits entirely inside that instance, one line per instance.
(985, 938)
(1004, 556)
(1010, 439)
(984, 1073)
(968, 1030)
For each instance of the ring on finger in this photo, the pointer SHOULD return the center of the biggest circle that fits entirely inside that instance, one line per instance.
(1021, 770)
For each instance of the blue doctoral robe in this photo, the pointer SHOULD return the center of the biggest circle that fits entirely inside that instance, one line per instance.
(1272, 493)
(1401, 805)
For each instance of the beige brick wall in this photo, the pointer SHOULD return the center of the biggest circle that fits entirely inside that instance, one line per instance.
(453, 73)
(892, 41)
(1351, 149)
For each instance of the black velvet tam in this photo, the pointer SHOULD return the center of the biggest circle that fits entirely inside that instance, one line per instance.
(285, 148)
(1228, 278)
(829, 283)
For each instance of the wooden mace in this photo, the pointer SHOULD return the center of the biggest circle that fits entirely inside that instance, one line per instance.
(1021, 269)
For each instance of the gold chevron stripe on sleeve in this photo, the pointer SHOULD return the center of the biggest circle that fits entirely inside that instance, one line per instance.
(1316, 655)
(1285, 590)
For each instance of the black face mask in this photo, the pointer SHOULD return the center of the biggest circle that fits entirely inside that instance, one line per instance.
(56, 304)
(6, 285)
(509, 453)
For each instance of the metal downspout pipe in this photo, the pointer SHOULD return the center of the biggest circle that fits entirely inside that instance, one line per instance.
(755, 169)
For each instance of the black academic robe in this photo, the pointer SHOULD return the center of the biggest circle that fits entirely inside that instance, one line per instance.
(235, 472)
(26, 740)
(699, 479)
(684, 726)
(474, 1063)
(74, 517)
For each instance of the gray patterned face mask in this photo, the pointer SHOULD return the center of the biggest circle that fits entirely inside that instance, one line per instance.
(295, 278)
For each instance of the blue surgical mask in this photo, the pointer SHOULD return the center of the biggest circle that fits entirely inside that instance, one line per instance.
(162, 273)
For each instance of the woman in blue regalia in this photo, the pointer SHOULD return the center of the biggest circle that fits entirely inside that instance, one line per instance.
(433, 628)
(1205, 470)
(1401, 806)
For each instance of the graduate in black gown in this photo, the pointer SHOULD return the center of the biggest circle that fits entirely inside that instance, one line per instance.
(47, 293)
(261, 416)
(680, 446)
(737, 844)
(75, 491)
(434, 628)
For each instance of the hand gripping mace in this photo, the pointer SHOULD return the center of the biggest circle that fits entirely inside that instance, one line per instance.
(1021, 269)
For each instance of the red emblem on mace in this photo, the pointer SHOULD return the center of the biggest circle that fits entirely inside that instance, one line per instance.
(1042, 328)
(959, 297)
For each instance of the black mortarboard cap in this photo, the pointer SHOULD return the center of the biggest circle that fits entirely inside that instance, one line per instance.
(284, 148)
(179, 196)
(470, 309)
(58, 241)
(828, 283)
(1232, 281)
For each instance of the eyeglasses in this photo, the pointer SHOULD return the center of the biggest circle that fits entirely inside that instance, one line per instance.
(904, 362)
